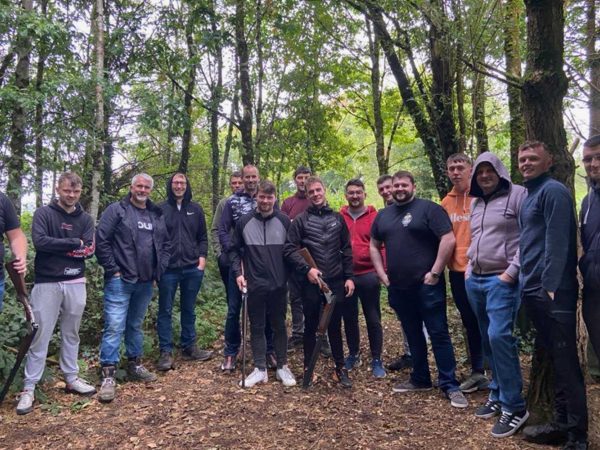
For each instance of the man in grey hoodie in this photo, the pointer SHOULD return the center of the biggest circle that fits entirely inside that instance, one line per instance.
(493, 289)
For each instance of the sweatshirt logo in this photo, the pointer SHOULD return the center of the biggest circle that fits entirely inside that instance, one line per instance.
(407, 219)
(72, 271)
(454, 217)
(190, 213)
(145, 225)
(66, 226)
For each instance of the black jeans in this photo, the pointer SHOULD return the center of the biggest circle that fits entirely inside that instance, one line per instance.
(555, 322)
(591, 316)
(469, 320)
(224, 265)
(295, 296)
(367, 288)
(263, 308)
(312, 302)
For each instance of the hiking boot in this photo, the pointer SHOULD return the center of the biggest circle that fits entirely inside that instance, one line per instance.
(409, 386)
(194, 353)
(576, 445)
(228, 364)
(295, 342)
(271, 361)
(377, 368)
(286, 376)
(137, 372)
(109, 385)
(80, 387)
(404, 362)
(509, 423)
(257, 376)
(457, 399)
(488, 410)
(340, 375)
(545, 434)
(352, 362)
(165, 361)
(325, 349)
(476, 382)
(26, 399)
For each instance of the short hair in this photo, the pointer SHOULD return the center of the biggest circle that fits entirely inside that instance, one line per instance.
(235, 174)
(355, 182)
(405, 174)
(267, 187)
(313, 180)
(70, 177)
(594, 141)
(249, 166)
(459, 157)
(302, 169)
(145, 176)
(179, 174)
(383, 178)
(533, 144)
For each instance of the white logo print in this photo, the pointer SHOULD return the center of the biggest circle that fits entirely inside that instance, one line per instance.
(144, 226)
(190, 213)
(407, 219)
(72, 271)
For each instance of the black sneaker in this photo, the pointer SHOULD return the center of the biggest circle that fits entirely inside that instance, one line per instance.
(404, 362)
(545, 434)
(576, 445)
(509, 423)
(409, 386)
(488, 410)
(340, 375)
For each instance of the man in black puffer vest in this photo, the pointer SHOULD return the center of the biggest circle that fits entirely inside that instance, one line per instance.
(324, 233)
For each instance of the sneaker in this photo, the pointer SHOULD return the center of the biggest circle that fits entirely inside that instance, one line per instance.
(228, 364)
(340, 375)
(286, 376)
(80, 387)
(325, 349)
(576, 445)
(545, 434)
(257, 376)
(165, 361)
(476, 382)
(377, 368)
(404, 362)
(409, 386)
(488, 410)
(194, 353)
(352, 361)
(457, 399)
(26, 399)
(295, 342)
(271, 361)
(509, 423)
(137, 372)
(109, 385)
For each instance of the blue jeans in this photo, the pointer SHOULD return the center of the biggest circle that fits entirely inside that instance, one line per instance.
(1, 293)
(189, 280)
(125, 306)
(426, 304)
(496, 305)
(232, 321)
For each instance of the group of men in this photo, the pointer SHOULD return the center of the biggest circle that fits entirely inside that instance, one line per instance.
(503, 244)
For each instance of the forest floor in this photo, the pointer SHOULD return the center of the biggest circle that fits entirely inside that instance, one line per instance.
(196, 406)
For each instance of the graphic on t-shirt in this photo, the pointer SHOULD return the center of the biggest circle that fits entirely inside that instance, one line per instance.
(407, 219)
(145, 225)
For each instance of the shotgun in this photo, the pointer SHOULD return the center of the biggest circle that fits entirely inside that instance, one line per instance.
(325, 318)
(18, 280)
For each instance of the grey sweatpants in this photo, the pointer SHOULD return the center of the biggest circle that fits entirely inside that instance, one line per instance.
(50, 301)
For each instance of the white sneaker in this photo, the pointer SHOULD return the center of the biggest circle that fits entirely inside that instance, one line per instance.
(286, 376)
(257, 376)
(80, 387)
(26, 399)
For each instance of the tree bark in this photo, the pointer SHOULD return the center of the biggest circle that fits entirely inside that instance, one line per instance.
(478, 100)
(460, 84)
(188, 95)
(243, 61)
(593, 60)
(216, 92)
(39, 118)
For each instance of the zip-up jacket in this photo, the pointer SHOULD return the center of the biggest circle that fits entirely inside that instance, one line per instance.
(360, 238)
(325, 234)
(258, 242)
(294, 205)
(57, 237)
(589, 264)
(236, 206)
(458, 208)
(548, 237)
(494, 223)
(186, 227)
(116, 236)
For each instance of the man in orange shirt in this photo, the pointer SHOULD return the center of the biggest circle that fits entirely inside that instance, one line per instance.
(457, 204)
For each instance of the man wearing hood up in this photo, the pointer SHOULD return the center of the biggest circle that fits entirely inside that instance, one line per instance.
(186, 226)
(63, 236)
(493, 287)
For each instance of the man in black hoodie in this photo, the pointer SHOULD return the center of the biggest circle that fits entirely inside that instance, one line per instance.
(189, 243)
(63, 236)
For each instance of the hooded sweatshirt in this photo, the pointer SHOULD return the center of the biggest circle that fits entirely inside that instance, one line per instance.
(186, 227)
(458, 208)
(589, 263)
(495, 223)
(360, 238)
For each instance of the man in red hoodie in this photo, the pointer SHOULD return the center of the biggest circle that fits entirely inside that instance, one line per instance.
(359, 218)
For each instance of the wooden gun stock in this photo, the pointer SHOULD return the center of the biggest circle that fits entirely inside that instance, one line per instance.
(18, 279)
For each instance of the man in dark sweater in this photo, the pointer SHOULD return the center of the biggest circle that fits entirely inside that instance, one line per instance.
(189, 244)
(548, 252)
(63, 236)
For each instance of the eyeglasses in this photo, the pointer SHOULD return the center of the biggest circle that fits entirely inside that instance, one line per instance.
(179, 182)
(589, 159)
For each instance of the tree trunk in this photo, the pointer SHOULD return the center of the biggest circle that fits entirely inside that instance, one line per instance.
(186, 138)
(39, 118)
(258, 136)
(478, 97)
(18, 141)
(216, 92)
(460, 84)
(243, 61)
(593, 60)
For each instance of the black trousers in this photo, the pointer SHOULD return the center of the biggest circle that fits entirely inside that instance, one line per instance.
(555, 323)
(591, 316)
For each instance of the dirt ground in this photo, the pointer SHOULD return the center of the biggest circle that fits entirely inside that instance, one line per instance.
(196, 406)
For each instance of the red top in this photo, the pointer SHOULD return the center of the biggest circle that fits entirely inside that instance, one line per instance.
(360, 237)
(294, 205)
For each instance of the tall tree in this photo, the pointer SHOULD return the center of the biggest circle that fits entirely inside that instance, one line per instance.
(189, 91)
(593, 60)
(243, 62)
(39, 116)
